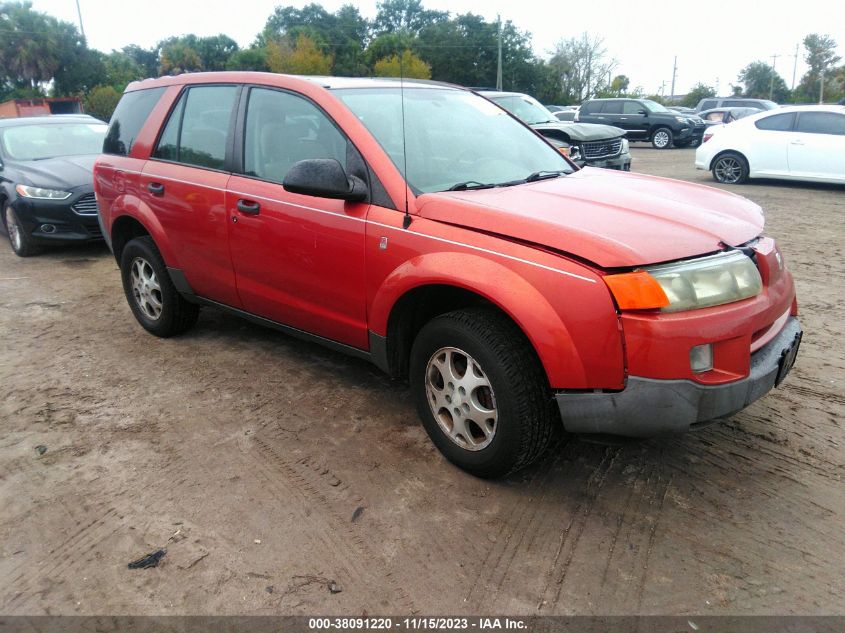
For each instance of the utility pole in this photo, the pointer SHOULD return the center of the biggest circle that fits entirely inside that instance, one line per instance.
(499, 67)
(772, 82)
(79, 13)
(794, 66)
(821, 87)
(674, 72)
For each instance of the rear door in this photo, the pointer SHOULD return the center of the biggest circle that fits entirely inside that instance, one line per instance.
(184, 183)
(299, 260)
(817, 147)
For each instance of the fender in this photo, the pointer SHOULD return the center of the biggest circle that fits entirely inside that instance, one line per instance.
(129, 204)
(500, 285)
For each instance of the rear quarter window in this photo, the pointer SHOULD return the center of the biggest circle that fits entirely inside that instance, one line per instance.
(128, 119)
(776, 122)
(706, 105)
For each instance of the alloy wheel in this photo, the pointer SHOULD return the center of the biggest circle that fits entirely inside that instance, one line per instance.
(728, 170)
(661, 139)
(13, 229)
(461, 398)
(146, 289)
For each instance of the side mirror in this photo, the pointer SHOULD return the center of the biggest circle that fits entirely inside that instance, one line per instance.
(643, 112)
(324, 178)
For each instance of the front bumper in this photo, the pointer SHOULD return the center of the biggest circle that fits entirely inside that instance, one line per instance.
(621, 162)
(649, 407)
(50, 221)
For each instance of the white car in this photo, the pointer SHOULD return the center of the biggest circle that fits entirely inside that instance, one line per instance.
(793, 143)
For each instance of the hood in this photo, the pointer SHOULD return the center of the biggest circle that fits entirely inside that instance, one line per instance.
(64, 173)
(582, 131)
(614, 219)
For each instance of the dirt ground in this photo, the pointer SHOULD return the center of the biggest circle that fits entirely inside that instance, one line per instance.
(286, 479)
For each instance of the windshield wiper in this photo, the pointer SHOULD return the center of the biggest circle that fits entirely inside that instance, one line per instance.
(546, 174)
(470, 184)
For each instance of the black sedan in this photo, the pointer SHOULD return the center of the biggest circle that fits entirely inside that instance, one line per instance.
(46, 183)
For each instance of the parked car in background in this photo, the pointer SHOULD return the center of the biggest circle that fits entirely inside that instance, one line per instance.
(644, 120)
(586, 144)
(421, 227)
(792, 143)
(681, 109)
(567, 115)
(708, 103)
(46, 187)
(720, 116)
(555, 108)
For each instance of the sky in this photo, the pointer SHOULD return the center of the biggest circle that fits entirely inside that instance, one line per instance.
(711, 45)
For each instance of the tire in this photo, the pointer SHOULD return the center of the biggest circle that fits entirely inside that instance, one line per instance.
(662, 138)
(154, 301)
(20, 241)
(730, 168)
(509, 385)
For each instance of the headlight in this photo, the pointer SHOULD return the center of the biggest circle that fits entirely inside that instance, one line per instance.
(681, 119)
(708, 281)
(624, 145)
(687, 285)
(26, 191)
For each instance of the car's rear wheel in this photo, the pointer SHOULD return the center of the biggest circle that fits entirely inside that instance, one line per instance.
(21, 242)
(730, 168)
(481, 392)
(154, 301)
(661, 138)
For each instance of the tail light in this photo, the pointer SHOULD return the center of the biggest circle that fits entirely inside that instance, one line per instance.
(707, 137)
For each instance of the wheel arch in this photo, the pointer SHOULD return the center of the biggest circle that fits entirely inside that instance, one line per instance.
(729, 151)
(131, 217)
(418, 291)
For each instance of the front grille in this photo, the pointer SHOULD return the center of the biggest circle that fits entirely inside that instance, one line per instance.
(86, 205)
(601, 149)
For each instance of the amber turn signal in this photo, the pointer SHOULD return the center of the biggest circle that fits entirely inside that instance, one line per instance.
(636, 291)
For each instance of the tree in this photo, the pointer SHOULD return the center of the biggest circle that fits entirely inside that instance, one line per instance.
(699, 91)
(341, 35)
(249, 59)
(302, 58)
(820, 55)
(405, 15)
(582, 66)
(760, 80)
(145, 59)
(408, 65)
(178, 56)
(101, 102)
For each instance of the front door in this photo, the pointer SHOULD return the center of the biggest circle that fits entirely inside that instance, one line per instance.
(298, 260)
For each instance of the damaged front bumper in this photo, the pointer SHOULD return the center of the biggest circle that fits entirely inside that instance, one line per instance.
(650, 407)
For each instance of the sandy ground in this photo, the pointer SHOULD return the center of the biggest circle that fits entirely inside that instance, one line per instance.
(273, 470)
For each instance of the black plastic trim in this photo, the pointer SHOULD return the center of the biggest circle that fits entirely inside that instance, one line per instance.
(180, 282)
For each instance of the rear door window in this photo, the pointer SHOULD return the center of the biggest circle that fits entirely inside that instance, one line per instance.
(198, 127)
(283, 129)
(821, 123)
(612, 107)
(128, 119)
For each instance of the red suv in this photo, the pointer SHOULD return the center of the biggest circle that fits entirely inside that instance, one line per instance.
(422, 227)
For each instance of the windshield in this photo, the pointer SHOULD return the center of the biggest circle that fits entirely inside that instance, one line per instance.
(525, 108)
(452, 137)
(50, 140)
(653, 106)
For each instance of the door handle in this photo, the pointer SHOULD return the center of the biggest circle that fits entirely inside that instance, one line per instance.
(623, 118)
(156, 188)
(250, 207)
(796, 142)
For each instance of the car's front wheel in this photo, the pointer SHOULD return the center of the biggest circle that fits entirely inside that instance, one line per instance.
(154, 301)
(20, 240)
(662, 138)
(481, 392)
(730, 168)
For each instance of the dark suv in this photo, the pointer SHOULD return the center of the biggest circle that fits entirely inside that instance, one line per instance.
(644, 120)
